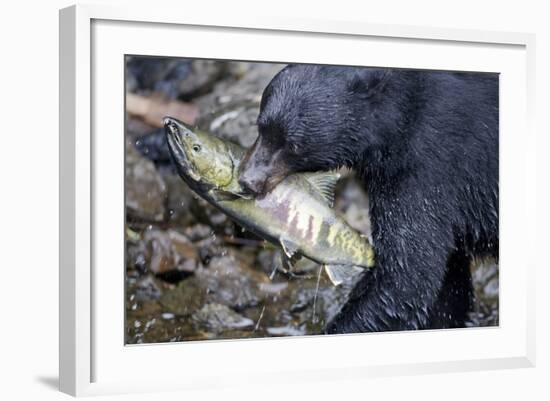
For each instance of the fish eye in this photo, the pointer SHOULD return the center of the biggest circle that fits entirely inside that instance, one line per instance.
(196, 148)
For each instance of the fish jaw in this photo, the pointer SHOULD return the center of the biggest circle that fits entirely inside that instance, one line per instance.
(184, 167)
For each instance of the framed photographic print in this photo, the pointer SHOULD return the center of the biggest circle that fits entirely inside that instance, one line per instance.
(341, 201)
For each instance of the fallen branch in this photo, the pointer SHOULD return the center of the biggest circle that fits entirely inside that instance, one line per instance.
(151, 109)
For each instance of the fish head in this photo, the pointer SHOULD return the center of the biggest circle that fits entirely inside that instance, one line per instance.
(204, 161)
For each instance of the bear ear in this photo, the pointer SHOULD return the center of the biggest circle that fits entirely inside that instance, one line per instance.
(369, 81)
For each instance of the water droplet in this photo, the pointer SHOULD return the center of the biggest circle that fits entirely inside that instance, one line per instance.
(168, 315)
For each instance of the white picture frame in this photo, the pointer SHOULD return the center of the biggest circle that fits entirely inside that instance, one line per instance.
(93, 358)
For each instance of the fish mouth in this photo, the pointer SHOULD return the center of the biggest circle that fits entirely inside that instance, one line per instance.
(179, 154)
(235, 194)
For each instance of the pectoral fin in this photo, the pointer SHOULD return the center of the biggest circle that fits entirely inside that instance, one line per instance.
(341, 273)
(287, 265)
(289, 247)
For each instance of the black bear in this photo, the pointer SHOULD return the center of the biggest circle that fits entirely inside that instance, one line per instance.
(425, 145)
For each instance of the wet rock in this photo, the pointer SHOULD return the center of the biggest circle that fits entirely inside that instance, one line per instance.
(273, 288)
(161, 327)
(188, 266)
(206, 255)
(210, 247)
(232, 108)
(230, 282)
(217, 218)
(353, 202)
(268, 261)
(485, 279)
(185, 299)
(301, 302)
(491, 288)
(169, 250)
(201, 78)
(198, 232)
(217, 318)
(334, 298)
(225, 281)
(314, 305)
(483, 272)
(245, 83)
(156, 74)
(235, 122)
(154, 147)
(142, 308)
(147, 289)
(180, 201)
(172, 77)
(271, 262)
(136, 252)
(145, 188)
(208, 214)
(286, 331)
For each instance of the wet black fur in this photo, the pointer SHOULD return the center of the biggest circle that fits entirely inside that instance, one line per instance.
(425, 145)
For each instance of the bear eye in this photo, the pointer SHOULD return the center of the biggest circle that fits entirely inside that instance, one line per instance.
(196, 148)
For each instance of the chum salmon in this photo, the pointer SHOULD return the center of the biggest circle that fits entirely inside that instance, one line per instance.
(296, 215)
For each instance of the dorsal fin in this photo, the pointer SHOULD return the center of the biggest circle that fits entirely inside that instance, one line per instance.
(324, 183)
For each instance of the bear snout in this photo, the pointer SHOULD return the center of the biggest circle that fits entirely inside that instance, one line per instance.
(251, 182)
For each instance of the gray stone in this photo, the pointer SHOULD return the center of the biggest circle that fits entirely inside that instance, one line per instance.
(230, 282)
(232, 108)
(217, 318)
(145, 188)
(169, 250)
